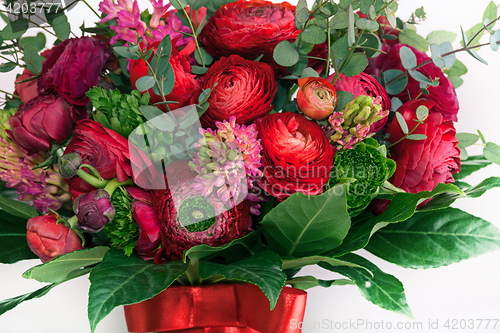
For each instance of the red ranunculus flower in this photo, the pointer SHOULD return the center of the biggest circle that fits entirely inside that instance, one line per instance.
(423, 164)
(443, 95)
(251, 29)
(185, 82)
(364, 84)
(297, 157)
(189, 219)
(73, 67)
(105, 150)
(43, 121)
(241, 88)
(48, 239)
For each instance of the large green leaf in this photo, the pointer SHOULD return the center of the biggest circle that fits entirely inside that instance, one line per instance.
(17, 208)
(13, 244)
(293, 263)
(11, 303)
(64, 267)
(306, 282)
(433, 239)
(234, 251)
(306, 225)
(445, 199)
(121, 280)
(262, 269)
(402, 206)
(381, 289)
(471, 165)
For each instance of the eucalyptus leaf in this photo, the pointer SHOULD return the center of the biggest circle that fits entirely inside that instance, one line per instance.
(466, 139)
(145, 83)
(410, 37)
(355, 64)
(440, 36)
(492, 152)
(434, 239)
(381, 289)
(313, 35)
(121, 280)
(343, 97)
(263, 269)
(33, 60)
(285, 54)
(13, 244)
(351, 33)
(340, 20)
(408, 58)
(397, 86)
(37, 42)
(306, 225)
(402, 122)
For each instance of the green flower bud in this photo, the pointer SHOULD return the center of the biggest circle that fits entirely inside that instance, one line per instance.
(69, 164)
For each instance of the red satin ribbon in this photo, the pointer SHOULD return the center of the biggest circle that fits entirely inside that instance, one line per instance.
(217, 308)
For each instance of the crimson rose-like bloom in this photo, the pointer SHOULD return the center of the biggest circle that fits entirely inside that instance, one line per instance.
(251, 29)
(189, 219)
(297, 157)
(73, 67)
(443, 95)
(364, 84)
(48, 239)
(423, 164)
(185, 82)
(241, 88)
(146, 218)
(102, 148)
(45, 120)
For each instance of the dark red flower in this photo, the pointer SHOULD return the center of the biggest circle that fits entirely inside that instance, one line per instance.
(251, 29)
(423, 164)
(145, 216)
(105, 150)
(185, 82)
(297, 156)
(364, 84)
(189, 219)
(241, 88)
(443, 95)
(26, 90)
(48, 239)
(45, 120)
(73, 67)
(93, 210)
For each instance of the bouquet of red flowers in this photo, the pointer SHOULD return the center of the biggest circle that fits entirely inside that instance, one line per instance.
(211, 149)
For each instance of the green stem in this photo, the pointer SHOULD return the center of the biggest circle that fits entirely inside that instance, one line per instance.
(92, 9)
(193, 30)
(8, 93)
(328, 36)
(92, 170)
(94, 181)
(404, 137)
(481, 30)
(72, 221)
(114, 184)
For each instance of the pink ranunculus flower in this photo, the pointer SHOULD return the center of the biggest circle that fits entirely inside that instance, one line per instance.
(364, 84)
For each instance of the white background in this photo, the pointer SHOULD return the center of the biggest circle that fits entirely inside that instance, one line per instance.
(463, 291)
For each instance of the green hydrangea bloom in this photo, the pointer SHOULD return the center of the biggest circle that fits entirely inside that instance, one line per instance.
(368, 164)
